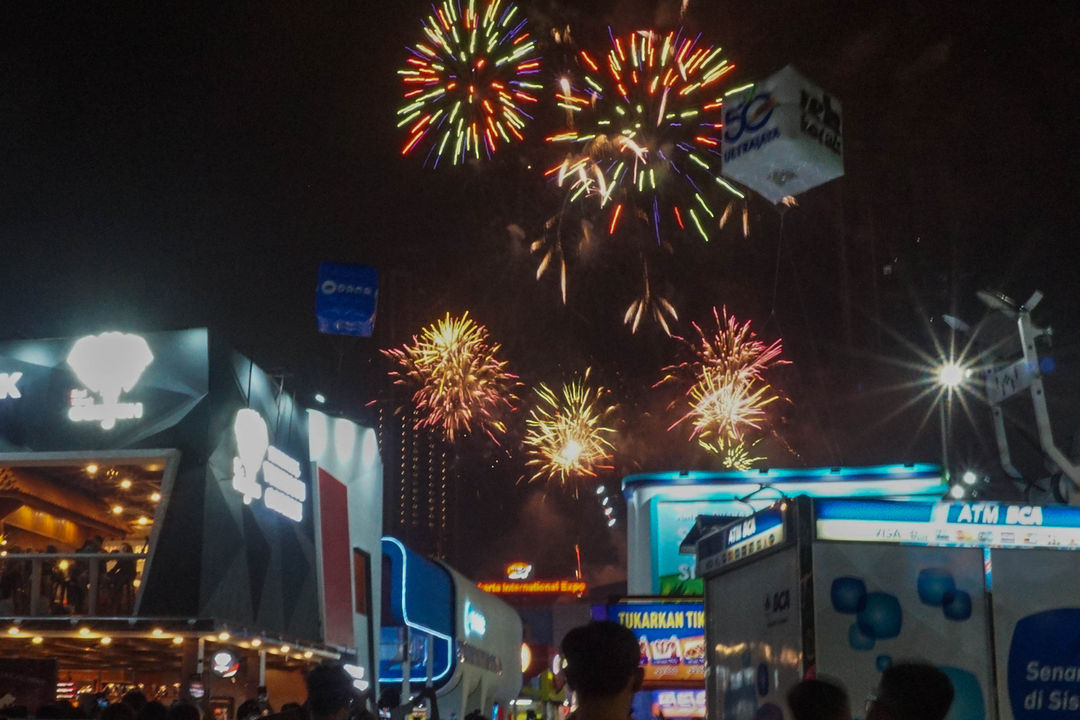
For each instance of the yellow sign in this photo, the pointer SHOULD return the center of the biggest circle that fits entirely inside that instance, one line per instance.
(534, 587)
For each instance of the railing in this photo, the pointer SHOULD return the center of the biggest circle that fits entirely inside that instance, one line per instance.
(69, 584)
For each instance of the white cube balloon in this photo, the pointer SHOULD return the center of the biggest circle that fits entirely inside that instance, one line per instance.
(782, 136)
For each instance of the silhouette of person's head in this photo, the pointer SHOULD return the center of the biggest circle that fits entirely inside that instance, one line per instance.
(911, 691)
(602, 660)
(819, 699)
(330, 692)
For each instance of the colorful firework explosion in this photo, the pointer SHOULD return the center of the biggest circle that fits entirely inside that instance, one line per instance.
(566, 438)
(724, 383)
(642, 134)
(467, 82)
(734, 454)
(459, 380)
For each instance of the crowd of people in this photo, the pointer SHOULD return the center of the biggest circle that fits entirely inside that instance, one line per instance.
(603, 668)
(67, 580)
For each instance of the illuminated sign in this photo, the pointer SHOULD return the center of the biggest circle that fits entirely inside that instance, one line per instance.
(678, 703)
(519, 571)
(357, 673)
(949, 524)
(534, 587)
(671, 639)
(742, 539)
(475, 622)
(107, 364)
(225, 664)
(9, 385)
(284, 492)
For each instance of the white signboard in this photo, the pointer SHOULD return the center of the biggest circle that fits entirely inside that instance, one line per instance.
(782, 136)
(9, 385)
(1036, 602)
(107, 365)
(284, 491)
(753, 637)
(876, 603)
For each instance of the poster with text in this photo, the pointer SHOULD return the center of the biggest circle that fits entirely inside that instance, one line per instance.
(1036, 602)
(754, 638)
(876, 604)
(671, 638)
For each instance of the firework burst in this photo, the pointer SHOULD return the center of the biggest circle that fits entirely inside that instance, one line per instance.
(566, 436)
(725, 387)
(468, 82)
(734, 454)
(458, 379)
(642, 132)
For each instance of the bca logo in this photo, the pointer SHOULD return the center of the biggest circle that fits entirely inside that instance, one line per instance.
(9, 385)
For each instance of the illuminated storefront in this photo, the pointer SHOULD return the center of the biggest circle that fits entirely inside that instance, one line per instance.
(163, 503)
(662, 509)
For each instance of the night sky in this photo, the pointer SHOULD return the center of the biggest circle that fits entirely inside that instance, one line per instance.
(191, 164)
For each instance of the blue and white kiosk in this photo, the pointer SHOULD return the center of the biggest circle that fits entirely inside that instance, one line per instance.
(988, 592)
(440, 629)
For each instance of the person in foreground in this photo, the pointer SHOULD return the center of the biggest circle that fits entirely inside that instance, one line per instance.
(819, 699)
(911, 691)
(602, 668)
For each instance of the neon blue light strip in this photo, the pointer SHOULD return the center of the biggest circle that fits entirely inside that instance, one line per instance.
(873, 510)
(405, 614)
(788, 475)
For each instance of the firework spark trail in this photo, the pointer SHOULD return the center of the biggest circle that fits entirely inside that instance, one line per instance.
(566, 436)
(644, 129)
(458, 379)
(468, 82)
(724, 382)
(734, 454)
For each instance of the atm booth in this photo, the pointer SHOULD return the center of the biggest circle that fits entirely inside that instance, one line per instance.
(171, 519)
(440, 629)
(988, 592)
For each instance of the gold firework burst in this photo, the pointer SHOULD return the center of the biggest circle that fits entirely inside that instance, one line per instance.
(458, 379)
(566, 436)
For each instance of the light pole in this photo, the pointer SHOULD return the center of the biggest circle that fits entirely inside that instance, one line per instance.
(950, 376)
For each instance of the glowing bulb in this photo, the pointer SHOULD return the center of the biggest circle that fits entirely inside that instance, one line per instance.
(178, 640)
(64, 564)
(13, 630)
(37, 640)
(125, 484)
(155, 497)
(91, 469)
(117, 509)
(951, 375)
(223, 636)
(285, 648)
(106, 640)
(157, 632)
(308, 654)
(969, 477)
(956, 491)
(526, 657)
(143, 520)
(84, 631)
(611, 522)
(256, 642)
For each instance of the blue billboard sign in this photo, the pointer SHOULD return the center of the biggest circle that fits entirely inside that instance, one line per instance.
(671, 638)
(346, 298)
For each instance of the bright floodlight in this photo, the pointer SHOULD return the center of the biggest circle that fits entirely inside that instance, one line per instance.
(600, 490)
(969, 477)
(951, 375)
(320, 398)
(611, 522)
(956, 491)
